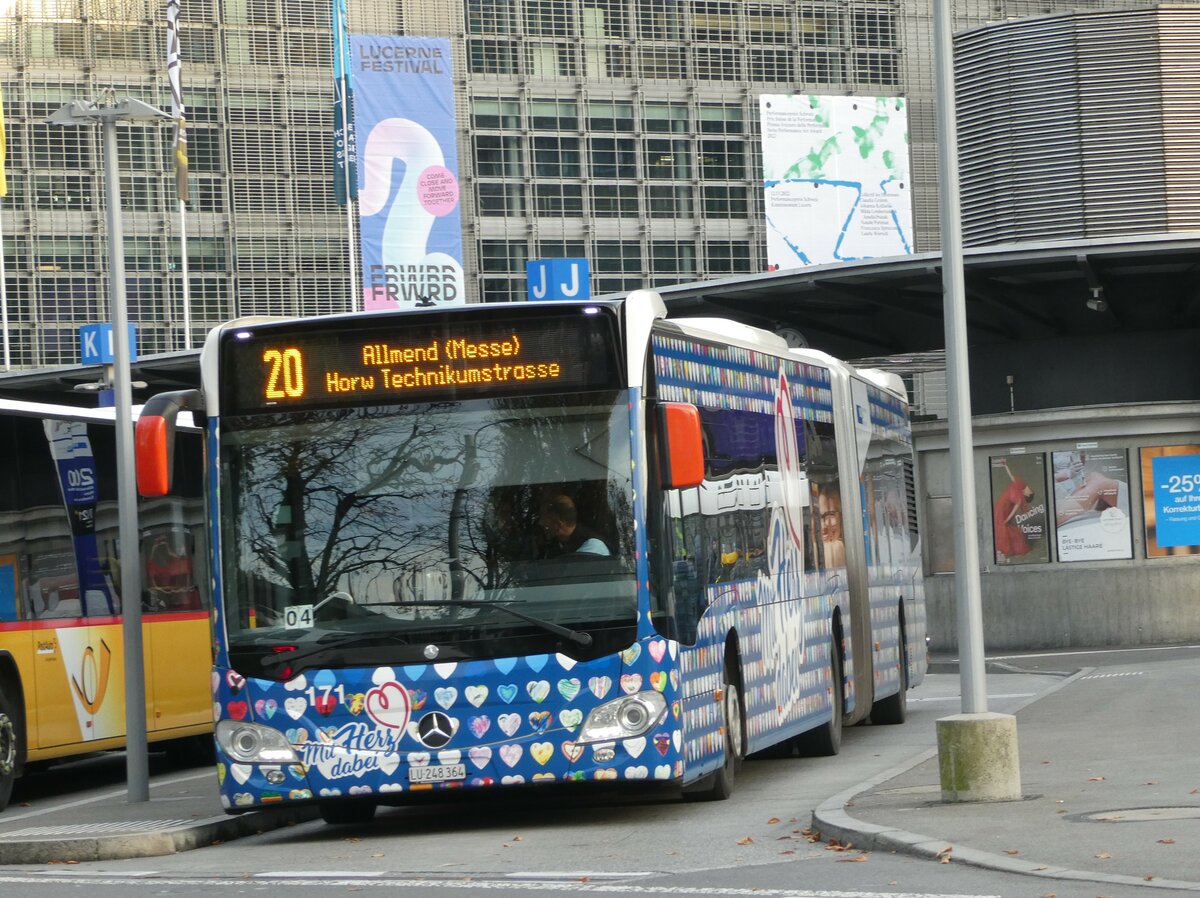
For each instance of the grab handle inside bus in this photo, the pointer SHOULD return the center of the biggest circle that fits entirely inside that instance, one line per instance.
(683, 460)
(155, 439)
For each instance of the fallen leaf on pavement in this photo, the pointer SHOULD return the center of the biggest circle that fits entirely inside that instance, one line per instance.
(852, 860)
(1095, 779)
(1012, 851)
(1148, 877)
(1166, 841)
(835, 845)
(1104, 856)
(745, 840)
(773, 820)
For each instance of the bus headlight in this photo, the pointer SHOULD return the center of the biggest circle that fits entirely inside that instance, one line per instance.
(252, 743)
(623, 718)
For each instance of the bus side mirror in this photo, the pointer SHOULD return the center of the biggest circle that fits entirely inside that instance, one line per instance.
(683, 445)
(154, 442)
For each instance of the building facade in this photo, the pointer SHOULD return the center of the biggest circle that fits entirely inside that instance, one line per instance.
(624, 131)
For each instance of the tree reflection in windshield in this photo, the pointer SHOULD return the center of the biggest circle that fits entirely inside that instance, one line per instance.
(430, 504)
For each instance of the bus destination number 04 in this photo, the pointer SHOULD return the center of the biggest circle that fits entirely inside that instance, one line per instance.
(285, 380)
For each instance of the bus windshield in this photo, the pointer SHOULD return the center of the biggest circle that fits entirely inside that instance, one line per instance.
(374, 535)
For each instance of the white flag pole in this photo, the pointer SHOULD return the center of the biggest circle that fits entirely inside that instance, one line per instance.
(174, 66)
(4, 294)
(187, 284)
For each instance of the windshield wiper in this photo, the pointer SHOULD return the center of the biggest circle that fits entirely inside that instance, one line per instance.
(576, 636)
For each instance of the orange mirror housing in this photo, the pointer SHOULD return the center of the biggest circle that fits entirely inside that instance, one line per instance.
(153, 456)
(683, 456)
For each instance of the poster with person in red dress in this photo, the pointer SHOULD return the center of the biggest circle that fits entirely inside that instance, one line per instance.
(1019, 527)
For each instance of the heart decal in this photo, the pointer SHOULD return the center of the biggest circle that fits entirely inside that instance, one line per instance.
(662, 742)
(388, 763)
(634, 746)
(507, 692)
(600, 686)
(235, 680)
(572, 751)
(480, 755)
(388, 705)
(505, 665)
(658, 679)
(265, 708)
(444, 670)
(476, 695)
(540, 720)
(509, 723)
(479, 725)
(658, 648)
(240, 773)
(418, 699)
(538, 690)
(537, 662)
(511, 754)
(631, 654)
(631, 683)
(294, 706)
(568, 689)
(445, 696)
(570, 718)
(541, 752)
(239, 710)
(543, 777)
(606, 773)
(636, 773)
(662, 772)
(565, 661)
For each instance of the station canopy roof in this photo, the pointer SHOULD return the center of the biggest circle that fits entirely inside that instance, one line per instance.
(873, 310)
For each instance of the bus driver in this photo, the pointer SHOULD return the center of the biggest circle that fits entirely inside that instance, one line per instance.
(559, 520)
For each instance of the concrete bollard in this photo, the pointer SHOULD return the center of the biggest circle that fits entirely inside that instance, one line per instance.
(977, 757)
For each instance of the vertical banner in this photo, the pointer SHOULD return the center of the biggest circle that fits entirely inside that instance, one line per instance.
(3, 151)
(1019, 509)
(345, 156)
(1171, 500)
(408, 162)
(1091, 504)
(835, 179)
(174, 77)
(77, 480)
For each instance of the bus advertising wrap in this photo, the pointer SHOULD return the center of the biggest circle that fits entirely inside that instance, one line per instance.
(72, 453)
(408, 172)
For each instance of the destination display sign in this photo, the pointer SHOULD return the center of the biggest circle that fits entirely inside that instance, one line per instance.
(400, 358)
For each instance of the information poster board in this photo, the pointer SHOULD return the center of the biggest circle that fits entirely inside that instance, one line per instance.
(1171, 499)
(1091, 504)
(1019, 527)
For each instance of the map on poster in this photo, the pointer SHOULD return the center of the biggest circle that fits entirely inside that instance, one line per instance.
(835, 178)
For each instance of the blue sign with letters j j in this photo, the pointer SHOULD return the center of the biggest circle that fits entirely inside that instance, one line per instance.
(96, 344)
(558, 279)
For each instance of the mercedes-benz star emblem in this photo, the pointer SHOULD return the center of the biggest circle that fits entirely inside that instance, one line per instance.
(435, 729)
(431, 652)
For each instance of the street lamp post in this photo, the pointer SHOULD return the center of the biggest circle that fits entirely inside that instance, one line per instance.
(78, 113)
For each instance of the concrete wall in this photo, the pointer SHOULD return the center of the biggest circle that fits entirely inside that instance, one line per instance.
(1140, 601)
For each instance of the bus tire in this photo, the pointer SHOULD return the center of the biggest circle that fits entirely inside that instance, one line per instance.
(10, 743)
(343, 811)
(826, 740)
(894, 709)
(718, 785)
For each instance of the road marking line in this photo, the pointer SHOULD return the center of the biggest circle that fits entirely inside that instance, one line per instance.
(107, 796)
(498, 885)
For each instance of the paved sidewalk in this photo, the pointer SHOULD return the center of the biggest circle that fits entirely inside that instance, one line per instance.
(1111, 778)
(183, 813)
(1109, 769)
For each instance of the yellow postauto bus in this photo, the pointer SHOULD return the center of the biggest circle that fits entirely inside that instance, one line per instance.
(62, 659)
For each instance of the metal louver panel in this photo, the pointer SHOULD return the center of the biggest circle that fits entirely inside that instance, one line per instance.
(1080, 125)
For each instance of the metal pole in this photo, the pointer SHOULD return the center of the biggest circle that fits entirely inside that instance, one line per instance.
(187, 287)
(136, 752)
(4, 295)
(962, 480)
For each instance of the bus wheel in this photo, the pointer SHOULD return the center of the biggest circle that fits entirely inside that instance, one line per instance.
(718, 785)
(360, 811)
(894, 708)
(826, 740)
(10, 746)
